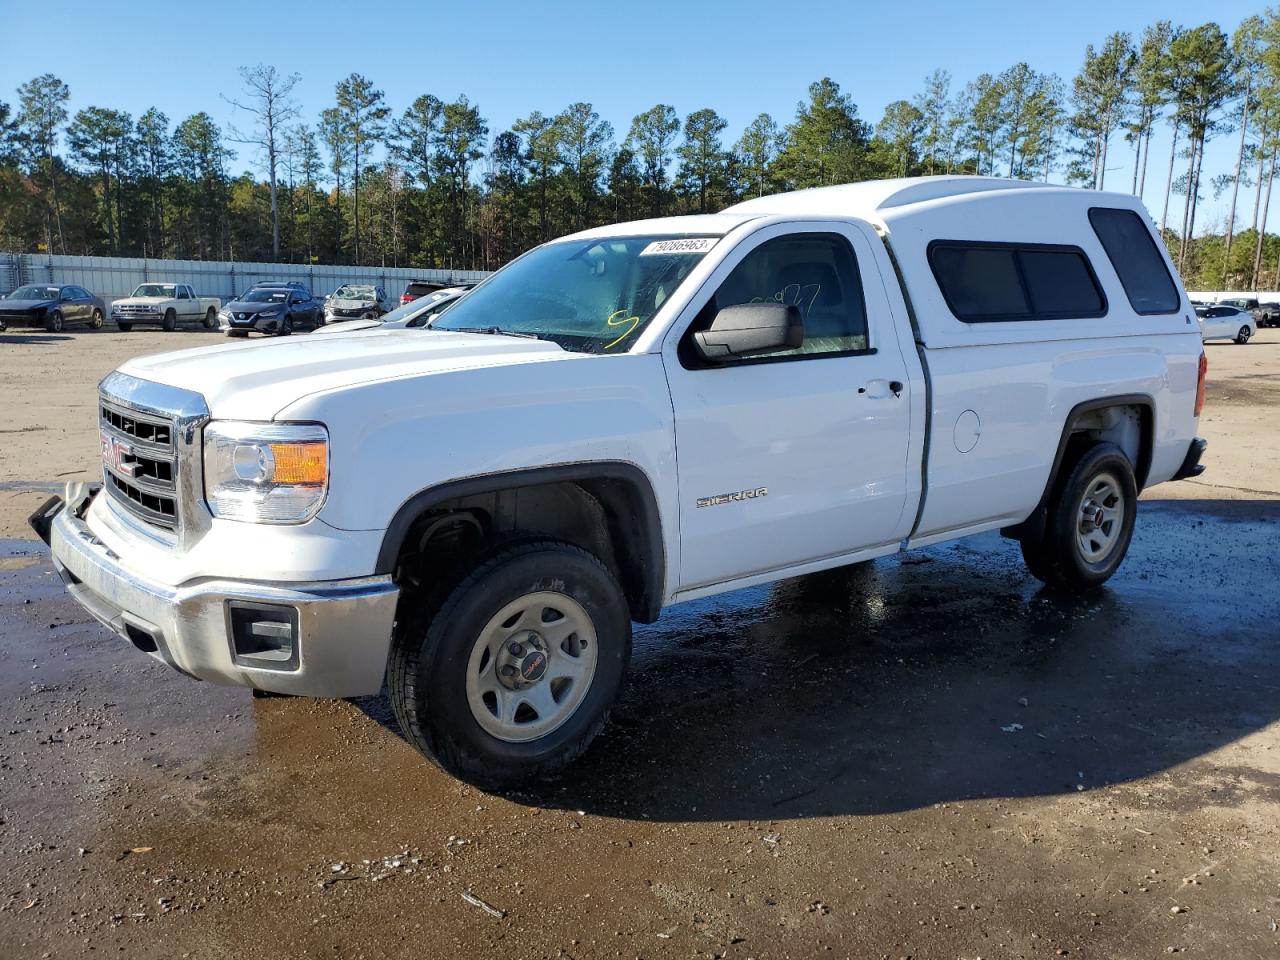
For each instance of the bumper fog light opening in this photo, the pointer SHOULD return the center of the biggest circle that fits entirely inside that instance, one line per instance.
(264, 636)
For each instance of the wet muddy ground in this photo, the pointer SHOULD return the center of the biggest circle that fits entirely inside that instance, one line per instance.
(921, 757)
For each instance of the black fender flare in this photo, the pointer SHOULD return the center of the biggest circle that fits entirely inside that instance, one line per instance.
(650, 551)
(1033, 526)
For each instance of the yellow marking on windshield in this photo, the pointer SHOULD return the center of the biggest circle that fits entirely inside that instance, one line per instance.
(617, 319)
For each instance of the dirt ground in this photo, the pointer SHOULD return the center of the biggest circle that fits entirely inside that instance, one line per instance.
(926, 757)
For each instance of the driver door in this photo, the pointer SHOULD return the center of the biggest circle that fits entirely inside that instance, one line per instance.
(801, 456)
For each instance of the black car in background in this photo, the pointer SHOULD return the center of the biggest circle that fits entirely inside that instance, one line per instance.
(52, 306)
(277, 309)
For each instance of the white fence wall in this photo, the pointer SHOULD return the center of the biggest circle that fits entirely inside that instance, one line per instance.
(115, 277)
(1213, 296)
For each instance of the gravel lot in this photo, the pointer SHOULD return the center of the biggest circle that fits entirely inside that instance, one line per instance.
(922, 758)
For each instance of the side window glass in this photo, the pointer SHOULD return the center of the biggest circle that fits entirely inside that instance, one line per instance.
(1132, 251)
(817, 273)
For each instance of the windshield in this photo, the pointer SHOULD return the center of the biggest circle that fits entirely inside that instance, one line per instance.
(258, 295)
(591, 296)
(354, 293)
(155, 290)
(35, 293)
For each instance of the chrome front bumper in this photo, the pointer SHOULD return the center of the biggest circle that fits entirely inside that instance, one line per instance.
(343, 627)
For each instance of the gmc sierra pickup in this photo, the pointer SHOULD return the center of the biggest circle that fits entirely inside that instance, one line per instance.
(626, 418)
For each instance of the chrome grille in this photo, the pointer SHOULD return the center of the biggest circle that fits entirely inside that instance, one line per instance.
(135, 309)
(140, 463)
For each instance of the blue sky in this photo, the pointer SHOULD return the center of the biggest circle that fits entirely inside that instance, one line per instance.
(513, 57)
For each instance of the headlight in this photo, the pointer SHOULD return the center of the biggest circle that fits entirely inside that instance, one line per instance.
(224, 314)
(273, 312)
(265, 472)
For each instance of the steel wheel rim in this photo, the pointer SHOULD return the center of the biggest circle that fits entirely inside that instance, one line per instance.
(508, 702)
(1100, 518)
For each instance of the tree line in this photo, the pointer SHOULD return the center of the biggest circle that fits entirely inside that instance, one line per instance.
(431, 185)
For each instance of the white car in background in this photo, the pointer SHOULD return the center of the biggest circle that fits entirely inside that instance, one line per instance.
(355, 301)
(1220, 321)
(416, 313)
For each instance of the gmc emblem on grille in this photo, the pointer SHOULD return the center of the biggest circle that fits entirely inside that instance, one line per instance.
(116, 454)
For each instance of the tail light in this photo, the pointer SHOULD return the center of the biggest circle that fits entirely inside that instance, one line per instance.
(1204, 368)
(405, 298)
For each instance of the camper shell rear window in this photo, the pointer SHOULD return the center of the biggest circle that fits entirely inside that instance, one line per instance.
(986, 282)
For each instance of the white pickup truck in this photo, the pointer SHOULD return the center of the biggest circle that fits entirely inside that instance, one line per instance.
(627, 418)
(165, 305)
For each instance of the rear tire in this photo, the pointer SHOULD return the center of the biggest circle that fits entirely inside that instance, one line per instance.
(170, 321)
(461, 675)
(1243, 336)
(210, 318)
(1089, 524)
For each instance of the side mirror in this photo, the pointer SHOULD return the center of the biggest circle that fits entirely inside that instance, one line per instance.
(749, 329)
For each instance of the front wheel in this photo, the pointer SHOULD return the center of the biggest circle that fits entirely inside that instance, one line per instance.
(1243, 336)
(514, 674)
(210, 318)
(170, 321)
(285, 328)
(123, 326)
(1089, 524)
(237, 333)
(53, 322)
(96, 321)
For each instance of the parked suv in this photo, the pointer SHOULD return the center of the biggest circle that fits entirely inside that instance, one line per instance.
(631, 417)
(271, 308)
(420, 288)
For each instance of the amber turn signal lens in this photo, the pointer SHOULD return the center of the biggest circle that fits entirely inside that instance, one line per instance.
(300, 463)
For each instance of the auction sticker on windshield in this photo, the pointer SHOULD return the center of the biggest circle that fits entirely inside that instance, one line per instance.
(684, 245)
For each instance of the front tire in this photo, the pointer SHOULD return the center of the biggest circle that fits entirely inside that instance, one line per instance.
(170, 321)
(237, 333)
(286, 327)
(53, 323)
(513, 675)
(1243, 336)
(96, 322)
(124, 327)
(1089, 524)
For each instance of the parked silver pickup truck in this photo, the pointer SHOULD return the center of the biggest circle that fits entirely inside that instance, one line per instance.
(165, 305)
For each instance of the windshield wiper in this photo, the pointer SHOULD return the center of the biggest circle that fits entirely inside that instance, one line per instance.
(492, 331)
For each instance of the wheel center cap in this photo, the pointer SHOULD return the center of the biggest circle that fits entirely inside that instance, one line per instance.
(533, 666)
(1098, 517)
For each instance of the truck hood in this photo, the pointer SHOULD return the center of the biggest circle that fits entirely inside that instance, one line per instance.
(258, 379)
(132, 300)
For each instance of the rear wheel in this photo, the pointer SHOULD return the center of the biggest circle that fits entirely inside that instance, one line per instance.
(210, 318)
(1243, 336)
(513, 675)
(96, 321)
(53, 322)
(170, 321)
(1089, 524)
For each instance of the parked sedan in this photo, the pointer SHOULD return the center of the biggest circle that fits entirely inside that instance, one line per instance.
(355, 301)
(51, 306)
(1222, 322)
(416, 313)
(271, 308)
